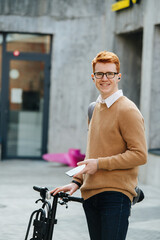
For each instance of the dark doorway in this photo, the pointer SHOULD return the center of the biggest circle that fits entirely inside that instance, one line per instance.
(129, 49)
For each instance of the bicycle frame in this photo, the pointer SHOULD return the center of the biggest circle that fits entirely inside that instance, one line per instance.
(45, 217)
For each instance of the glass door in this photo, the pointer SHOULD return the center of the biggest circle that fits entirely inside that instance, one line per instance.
(25, 110)
(26, 61)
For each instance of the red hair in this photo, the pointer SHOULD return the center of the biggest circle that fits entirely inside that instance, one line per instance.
(106, 57)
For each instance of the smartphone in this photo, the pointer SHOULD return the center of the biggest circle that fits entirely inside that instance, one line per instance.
(75, 170)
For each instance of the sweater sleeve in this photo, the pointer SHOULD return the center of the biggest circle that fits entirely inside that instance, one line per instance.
(131, 127)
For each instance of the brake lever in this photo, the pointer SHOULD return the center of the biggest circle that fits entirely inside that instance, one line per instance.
(62, 202)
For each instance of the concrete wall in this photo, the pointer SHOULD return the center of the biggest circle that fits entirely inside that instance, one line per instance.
(154, 136)
(72, 87)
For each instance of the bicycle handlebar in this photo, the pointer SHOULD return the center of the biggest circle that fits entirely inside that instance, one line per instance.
(65, 196)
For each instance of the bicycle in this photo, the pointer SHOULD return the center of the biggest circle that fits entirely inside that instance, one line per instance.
(45, 217)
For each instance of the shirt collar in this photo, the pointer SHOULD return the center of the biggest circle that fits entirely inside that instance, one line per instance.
(111, 99)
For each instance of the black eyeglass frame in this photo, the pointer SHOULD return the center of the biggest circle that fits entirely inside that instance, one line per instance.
(115, 73)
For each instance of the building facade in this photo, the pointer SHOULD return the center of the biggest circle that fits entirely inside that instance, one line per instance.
(46, 49)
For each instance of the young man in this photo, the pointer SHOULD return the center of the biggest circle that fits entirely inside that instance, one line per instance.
(116, 147)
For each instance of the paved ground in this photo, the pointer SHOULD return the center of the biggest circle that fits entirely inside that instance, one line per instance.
(17, 201)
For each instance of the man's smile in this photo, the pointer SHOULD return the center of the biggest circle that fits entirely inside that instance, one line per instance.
(105, 84)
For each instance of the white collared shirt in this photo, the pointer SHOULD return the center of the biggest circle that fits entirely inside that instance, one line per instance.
(111, 99)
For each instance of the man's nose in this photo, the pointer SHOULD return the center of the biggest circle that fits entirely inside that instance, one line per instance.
(104, 77)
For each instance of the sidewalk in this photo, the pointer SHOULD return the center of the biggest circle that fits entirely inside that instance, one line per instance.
(17, 201)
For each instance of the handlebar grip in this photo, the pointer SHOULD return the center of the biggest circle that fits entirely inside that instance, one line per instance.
(38, 189)
(75, 199)
(41, 190)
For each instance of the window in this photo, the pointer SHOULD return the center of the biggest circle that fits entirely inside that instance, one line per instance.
(28, 43)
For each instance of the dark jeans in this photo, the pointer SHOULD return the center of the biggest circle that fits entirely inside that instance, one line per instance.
(107, 215)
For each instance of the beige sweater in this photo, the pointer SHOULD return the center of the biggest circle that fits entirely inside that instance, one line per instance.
(116, 138)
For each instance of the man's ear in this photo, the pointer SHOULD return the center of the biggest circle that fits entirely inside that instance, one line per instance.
(92, 75)
(119, 77)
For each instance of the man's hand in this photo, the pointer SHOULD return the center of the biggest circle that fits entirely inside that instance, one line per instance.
(70, 188)
(90, 168)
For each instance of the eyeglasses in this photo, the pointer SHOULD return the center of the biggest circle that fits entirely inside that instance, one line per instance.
(109, 75)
